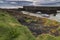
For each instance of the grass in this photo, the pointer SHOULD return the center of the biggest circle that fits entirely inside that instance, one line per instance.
(11, 29)
(46, 37)
(48, 26)
(51, 26)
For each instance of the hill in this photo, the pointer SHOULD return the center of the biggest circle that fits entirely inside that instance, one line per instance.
(11, 29)
(41, 28)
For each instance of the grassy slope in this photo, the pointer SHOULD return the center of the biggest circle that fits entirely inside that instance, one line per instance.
(15, 31)
(55, 27)
(48, 26)
(47, 37)
(10, 29)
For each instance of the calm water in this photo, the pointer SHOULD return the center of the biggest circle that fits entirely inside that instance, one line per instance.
(57, 17)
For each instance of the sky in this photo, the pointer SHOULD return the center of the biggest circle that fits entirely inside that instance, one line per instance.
(19, 0)
(38, 1)
(35, 0)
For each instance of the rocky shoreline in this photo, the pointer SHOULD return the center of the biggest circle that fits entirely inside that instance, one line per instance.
(37, 25)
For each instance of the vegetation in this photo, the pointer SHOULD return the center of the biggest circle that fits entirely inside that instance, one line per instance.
(42, 28)
(47, 37)
(11, 29)
(39, 25)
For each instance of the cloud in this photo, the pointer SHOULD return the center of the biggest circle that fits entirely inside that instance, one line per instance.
(12, 0)
(39, 1)
(19, 0)
(1, 1)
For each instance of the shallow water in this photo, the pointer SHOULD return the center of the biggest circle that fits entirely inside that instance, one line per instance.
(57, 17)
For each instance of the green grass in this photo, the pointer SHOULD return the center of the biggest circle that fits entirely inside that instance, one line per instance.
(11, 29)
(46, 37)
